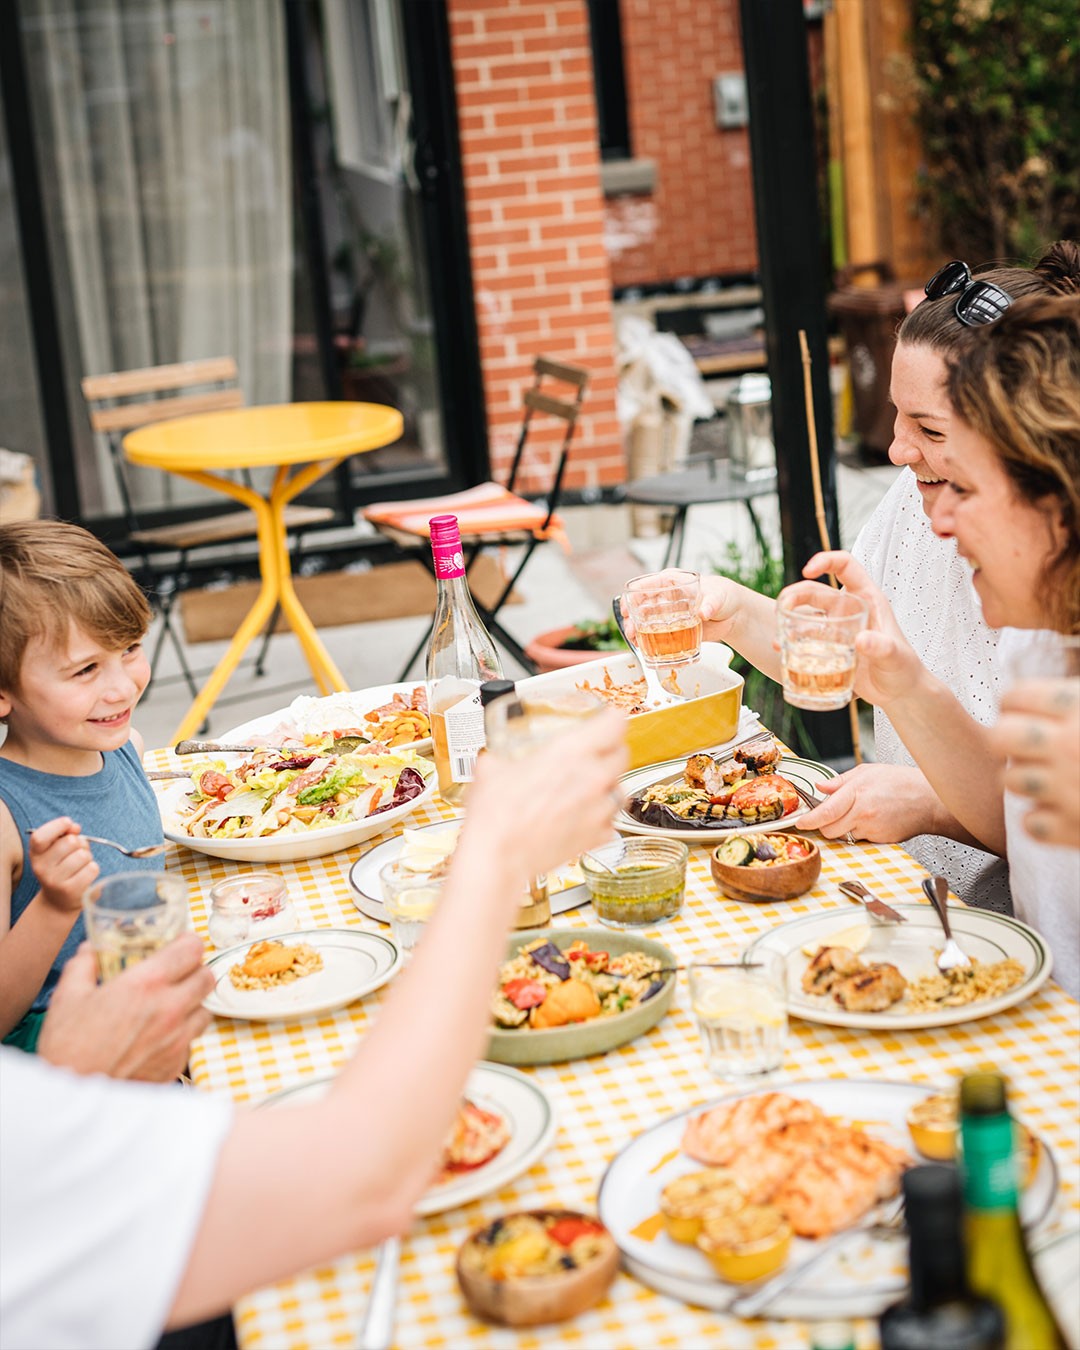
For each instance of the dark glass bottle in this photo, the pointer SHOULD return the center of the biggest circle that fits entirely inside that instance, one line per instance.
(997, 1258)
(940, 1312)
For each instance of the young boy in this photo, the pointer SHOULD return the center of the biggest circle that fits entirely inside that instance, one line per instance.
(72, 669)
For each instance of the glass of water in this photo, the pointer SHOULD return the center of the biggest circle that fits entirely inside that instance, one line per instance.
(741, 1012)
(131, 915)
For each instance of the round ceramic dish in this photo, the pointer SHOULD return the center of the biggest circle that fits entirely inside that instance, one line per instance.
(556, 1045)
(777, 881)
(530, 1300)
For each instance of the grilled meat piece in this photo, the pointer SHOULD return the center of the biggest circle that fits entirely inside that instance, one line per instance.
(760, 755)
(828, 968)
(767, 1162)
(702, 771)
(762, 799)
(717, 1136)
(872, 989)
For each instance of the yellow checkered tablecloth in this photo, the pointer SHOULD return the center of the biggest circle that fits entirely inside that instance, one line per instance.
(602, 1102)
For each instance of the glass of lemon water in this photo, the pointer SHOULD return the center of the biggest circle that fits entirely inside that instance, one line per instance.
(131, 915)
(741, 1012)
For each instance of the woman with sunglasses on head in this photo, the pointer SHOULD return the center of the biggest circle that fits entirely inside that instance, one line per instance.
(928, 586)
(1011, 504)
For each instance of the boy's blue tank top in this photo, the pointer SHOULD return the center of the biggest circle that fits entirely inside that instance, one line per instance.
(117, 803)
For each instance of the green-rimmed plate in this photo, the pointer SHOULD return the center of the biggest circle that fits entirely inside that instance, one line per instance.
(556, 1045)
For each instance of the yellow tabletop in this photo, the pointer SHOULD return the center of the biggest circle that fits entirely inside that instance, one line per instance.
(273, 434)
(603, 1102)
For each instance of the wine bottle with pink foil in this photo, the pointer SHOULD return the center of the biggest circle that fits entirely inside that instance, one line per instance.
(460, 658)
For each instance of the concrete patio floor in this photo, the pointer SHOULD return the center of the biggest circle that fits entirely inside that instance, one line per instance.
(557, 588)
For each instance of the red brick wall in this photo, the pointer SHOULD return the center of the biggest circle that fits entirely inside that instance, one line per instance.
(527, 113)
(699, 220)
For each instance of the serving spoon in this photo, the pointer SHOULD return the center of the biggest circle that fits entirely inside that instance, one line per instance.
(341, 745)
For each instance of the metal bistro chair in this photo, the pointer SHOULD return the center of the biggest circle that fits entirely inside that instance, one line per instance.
(491, 515)
(118, 403)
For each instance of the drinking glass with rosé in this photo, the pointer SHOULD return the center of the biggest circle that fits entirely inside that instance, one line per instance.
(664, 608)
(817, 628)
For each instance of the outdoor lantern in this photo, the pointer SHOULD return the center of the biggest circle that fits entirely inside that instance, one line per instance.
(749, 411)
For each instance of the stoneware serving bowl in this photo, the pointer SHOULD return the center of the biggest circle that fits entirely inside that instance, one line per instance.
(773, 880)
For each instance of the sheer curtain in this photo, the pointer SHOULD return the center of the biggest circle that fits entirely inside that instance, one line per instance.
(163, 132)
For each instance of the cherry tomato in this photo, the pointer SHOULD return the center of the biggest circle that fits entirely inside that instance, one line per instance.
(214, 784)
(568, 1230)
(525, 993)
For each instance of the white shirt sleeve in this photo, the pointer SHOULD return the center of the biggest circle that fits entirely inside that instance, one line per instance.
(102, 1187)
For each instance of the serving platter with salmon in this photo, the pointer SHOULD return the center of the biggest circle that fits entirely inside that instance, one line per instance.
(710, 1201)
(704, 797)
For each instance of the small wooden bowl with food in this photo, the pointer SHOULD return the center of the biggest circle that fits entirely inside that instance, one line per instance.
(766, 867)
(536, 1266)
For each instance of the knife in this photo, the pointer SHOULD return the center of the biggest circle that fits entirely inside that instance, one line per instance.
(878, 908)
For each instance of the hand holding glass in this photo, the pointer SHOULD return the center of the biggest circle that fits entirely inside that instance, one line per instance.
(817, 627)
(664, 608)
(130, 915)
(741, 1013)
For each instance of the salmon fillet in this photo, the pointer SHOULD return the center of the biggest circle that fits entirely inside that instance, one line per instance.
(717, 1136)
(769, 1161)
(836, 1186)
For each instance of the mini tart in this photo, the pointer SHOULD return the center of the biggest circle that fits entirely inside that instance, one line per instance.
(686, 1201)
(748, 1245)
(528, 1268)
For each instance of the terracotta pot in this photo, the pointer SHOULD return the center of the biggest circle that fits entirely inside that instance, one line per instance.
(545, 651)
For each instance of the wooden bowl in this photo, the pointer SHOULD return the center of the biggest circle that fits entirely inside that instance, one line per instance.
(778, 881)
(522, 1300)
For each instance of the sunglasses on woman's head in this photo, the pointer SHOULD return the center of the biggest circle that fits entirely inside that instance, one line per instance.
(977, 302)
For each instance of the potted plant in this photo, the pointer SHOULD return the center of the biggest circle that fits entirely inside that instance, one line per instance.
(575, 643)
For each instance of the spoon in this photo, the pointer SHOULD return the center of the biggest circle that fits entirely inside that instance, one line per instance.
(341, 746)
(951, 956)
(656, 696)
(143, 851)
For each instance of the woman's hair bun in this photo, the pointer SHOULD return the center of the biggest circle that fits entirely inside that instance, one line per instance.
(1059, 267)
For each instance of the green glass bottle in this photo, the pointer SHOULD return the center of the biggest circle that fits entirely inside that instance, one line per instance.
(998, 1263)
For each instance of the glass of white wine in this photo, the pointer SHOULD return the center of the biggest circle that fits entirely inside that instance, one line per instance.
(131, 915)
(817, 627)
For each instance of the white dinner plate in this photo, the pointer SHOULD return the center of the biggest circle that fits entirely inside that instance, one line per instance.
(367, 895)
(912, 948)
(308, 714)
(283, 847)
(523, 1104)
(804, 773)
(861, 1277)
(355, 963)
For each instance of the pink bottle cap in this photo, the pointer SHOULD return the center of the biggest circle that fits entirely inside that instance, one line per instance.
(446, 547)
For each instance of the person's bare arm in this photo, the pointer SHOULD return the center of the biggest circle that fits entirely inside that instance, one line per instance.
(349, 1169)
(885, 804)
(138, 1025)
(65, 867)
(743, 619)
(953, 750)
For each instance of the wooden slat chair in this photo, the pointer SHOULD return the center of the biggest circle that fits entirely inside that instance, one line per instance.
(118, 403)
(491, 515)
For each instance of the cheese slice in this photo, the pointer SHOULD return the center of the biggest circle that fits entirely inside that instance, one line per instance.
(854, 939)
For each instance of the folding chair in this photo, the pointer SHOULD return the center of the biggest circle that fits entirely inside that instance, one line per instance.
(491, 515)
(118, 403)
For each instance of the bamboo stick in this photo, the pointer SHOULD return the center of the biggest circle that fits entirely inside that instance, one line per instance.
(819, 510)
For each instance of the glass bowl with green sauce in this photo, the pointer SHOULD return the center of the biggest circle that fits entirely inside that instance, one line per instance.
(642, 884)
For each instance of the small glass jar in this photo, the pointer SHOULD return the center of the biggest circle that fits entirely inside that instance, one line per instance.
(642, 884)
(251, 905)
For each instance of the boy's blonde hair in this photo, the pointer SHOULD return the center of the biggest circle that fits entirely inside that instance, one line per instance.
(52, 575)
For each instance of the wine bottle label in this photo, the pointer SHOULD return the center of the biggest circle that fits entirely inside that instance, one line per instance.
(989, 1162)
(464, 736)
(449, 559)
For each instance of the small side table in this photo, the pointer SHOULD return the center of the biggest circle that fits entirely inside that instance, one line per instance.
(302, 442)
(701, 484)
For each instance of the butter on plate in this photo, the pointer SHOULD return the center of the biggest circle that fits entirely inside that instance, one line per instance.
(854, 939)
(424, 850)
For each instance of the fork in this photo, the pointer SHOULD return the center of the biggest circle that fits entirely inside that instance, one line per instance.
(143, 851)
(952, 956)
(885, 1220)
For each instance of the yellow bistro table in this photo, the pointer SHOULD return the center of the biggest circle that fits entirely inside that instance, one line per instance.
(302, 441)
(603, 1102)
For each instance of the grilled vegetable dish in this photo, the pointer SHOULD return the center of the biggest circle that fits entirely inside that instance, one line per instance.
(713, 794)
(544, 987)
